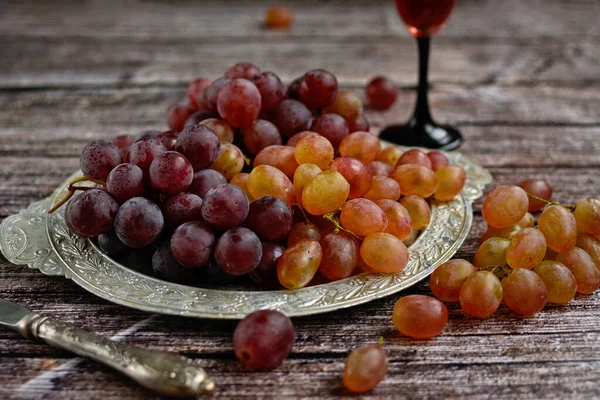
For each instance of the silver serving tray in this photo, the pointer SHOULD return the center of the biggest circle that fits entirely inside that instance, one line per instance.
(42, 241)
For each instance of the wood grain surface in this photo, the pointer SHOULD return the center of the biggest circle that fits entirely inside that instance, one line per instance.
(520, 79)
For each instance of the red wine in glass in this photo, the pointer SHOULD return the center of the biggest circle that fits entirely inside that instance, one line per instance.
(424, 19)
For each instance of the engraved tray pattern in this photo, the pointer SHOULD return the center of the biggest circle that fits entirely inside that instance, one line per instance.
(42, 241)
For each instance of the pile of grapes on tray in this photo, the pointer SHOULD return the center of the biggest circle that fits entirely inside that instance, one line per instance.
(286, 186)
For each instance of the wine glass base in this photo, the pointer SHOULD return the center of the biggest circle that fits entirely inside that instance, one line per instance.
(430, 135)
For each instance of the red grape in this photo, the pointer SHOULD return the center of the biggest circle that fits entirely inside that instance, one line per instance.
(263, 339)
(318, 88)
(272, 91)
(365, 367)
(292, 90)
(200, 116)
(225, 206)
(382, 93)
(91, 213)
(98, 158)
(138, 222)
(166, 267)
(278, 17)
(125, 181)
(110, 244)
(303, 230)
(239, 103)
(195, 88)
(243, 70)
(421, 317)
(238, 251)
(265, 274)
(332, 126)
(123, 141)
(171, 173)
(210, 94)
(204, 180)
(437, 159)
(357, 124)
(270, 218)
(177, 114)
(181, 208)
(168, 138)
(537, 188)
(199, 145)
(356, 173)
(340, 255)
(142, 154)
(261, 134)
(192, 244)
(291, 117)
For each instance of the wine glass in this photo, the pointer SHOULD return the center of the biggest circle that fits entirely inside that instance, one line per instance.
(424, 19)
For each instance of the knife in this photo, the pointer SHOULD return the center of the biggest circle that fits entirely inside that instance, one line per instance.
(167, 373)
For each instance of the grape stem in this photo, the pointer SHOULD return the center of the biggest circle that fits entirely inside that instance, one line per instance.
(306, 220)
(501, 271)
(333, 218)
(380, 342)
(72, 188)
(549, 203)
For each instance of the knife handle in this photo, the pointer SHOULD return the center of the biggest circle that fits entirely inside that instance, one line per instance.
(167, 373)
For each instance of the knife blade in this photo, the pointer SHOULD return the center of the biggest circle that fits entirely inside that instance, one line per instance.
(167, 373)
(12, 314)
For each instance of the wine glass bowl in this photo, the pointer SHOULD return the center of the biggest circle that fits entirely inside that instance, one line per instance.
(424, 18)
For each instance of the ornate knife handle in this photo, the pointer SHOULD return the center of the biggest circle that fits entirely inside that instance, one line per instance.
(167, 373)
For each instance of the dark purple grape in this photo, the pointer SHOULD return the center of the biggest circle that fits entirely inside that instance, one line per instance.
(291, 117)
(204, 180)
(211, 93)
(91, 213)
(270, 218)
(243, 70)
(110, 243)
(200, 116)
(138, 259)
(263, 339)
(219, 276)
(149, 134)
(177, 114)
(292, 90)
(318, 89)
(181, 208)
(200, 145)
(125, 181)
(98, 158)
(261, 134)
(171, 173)
(265, 274)
(225, 207)
(138, 222)
(332, 126)
(192, 244)
(168, 138)
(360, 123)
(123, 141)
(272, 91)
(143, 152)
(238, 251)
(166, 267)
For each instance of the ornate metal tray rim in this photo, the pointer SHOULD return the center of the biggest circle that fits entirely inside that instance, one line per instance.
(42, 241)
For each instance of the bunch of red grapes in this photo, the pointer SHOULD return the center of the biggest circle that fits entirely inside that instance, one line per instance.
(221, 193)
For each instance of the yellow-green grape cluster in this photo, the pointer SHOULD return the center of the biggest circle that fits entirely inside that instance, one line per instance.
(523, 263)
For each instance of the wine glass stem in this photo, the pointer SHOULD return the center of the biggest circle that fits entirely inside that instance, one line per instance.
(421, 114)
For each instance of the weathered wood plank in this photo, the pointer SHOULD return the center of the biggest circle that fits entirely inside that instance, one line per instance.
(145, 108)
(242, 19)
(74, 62)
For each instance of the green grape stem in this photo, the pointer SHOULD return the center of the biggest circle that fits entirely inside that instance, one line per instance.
(333, 218)
(72, 188)
(549, 203)
(501, 271)
(380, 342)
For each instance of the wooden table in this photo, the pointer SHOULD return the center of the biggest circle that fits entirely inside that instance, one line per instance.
(520, 79)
